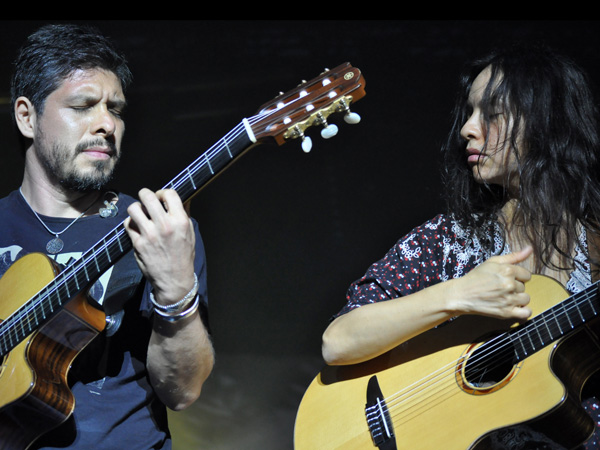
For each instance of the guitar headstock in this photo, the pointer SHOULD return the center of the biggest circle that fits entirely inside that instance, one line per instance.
(290, 114)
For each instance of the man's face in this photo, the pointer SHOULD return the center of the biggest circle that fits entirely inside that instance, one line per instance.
(77, 138)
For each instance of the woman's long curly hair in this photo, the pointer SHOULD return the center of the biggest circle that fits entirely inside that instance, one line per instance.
(551, 105)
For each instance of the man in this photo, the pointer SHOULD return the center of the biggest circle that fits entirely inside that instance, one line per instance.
(68, 94)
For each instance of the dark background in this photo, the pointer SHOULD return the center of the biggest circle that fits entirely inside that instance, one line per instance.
(286, 232)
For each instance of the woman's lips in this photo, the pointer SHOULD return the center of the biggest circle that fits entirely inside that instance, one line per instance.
(473, 155)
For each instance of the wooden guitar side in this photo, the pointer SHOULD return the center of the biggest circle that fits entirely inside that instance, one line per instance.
(430, 413)
(34, 394)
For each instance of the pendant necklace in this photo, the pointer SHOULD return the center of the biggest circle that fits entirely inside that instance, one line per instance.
(56, 244)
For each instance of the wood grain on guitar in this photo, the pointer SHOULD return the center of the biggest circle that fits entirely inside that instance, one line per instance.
(45, 319)
(453, 385)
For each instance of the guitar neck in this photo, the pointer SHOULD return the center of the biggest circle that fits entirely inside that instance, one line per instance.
(556, 322)
(213, 161)
(79, 275)
(284, 118)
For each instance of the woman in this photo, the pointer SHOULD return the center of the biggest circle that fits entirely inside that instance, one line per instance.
(521, 174)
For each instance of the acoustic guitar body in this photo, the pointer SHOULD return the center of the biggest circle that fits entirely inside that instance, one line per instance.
(34, 393)
(431, 405)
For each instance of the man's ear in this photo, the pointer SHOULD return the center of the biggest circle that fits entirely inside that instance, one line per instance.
(25, 117)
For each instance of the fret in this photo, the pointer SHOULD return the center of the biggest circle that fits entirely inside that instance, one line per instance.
(191, 178)
(206, 174)
(580, 313)
(539, 335)
(108, 254)
(87, 275)
(28, 321)
(550, 334)
(566, 313)
(557, 321)
(61, 292)
(50, 302)
(42, 309)
(531, 342)
(591, 305)
(120, 244)
(516, 337)
(77, 286)
(209, 166)
(58, 294)
(66, 286)
(586, 307)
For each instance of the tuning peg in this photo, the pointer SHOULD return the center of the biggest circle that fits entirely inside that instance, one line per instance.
(352, 118)
(349, 117)
(306, 144)
(329, 131)
(297, 132)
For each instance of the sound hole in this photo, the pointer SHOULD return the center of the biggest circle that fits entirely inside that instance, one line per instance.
(489, 364)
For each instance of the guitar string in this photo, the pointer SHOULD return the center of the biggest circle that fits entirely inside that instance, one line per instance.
(503, 337)
(566, 326)
(453, 384)
(395, 401)
(438, 392)
(432, 382)
(10, 324)
(406, 406)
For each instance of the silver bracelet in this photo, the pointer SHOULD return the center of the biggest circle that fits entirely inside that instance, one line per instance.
(181, 303)
(170, 317)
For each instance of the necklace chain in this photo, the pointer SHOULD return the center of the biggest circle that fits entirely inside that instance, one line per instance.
(55, 245)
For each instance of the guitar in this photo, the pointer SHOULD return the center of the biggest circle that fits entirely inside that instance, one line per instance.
(453, 385)
(47, 321)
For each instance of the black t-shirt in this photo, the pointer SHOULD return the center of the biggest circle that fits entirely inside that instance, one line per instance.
(115, 406)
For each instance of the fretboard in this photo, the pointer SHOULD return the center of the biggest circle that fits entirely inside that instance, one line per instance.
(106, 252)
(554, 323)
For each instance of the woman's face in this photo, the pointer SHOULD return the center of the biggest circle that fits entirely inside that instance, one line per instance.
(489, 152)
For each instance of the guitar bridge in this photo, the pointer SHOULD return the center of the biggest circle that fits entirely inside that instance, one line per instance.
(378, 417)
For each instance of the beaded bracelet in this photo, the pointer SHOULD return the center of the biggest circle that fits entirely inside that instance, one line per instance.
(181, 303)
(169, 317)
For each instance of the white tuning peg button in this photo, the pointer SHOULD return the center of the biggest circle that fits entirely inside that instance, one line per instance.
(329, 131)
(352, 118)
(306, 144)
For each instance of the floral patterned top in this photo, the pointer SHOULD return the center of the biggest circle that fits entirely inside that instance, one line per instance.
(437, 251)
(440, 250)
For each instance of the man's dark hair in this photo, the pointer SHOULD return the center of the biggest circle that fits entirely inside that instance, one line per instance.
(54, 52)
